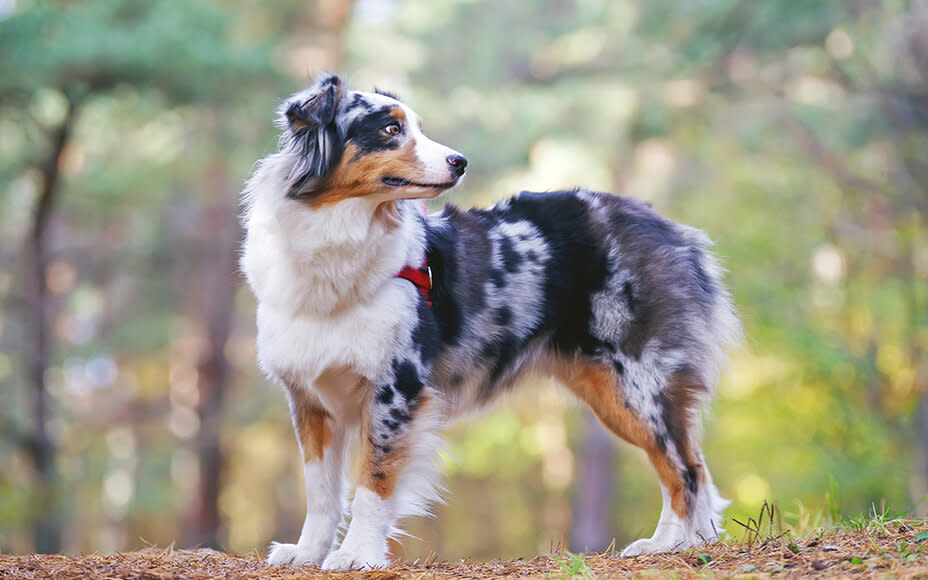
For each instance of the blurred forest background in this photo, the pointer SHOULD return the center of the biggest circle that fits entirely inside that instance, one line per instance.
(794, 132)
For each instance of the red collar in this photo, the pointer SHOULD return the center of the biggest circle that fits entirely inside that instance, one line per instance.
(421, 277)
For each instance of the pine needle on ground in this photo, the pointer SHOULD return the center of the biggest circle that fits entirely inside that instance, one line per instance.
(897, 549)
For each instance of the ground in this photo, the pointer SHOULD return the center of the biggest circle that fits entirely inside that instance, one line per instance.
(895, 549)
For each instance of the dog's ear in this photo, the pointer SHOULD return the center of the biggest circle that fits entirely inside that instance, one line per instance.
(313, 134)
(316, 108)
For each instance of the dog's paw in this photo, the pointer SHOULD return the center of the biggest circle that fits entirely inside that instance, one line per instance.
(343, 559)
(651, 546)
(293, 554)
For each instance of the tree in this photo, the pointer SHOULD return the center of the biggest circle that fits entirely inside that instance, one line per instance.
(83, 52)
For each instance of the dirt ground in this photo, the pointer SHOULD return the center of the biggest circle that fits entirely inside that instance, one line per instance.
(893, 550)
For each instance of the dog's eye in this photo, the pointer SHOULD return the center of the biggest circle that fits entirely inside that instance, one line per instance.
(393, 129)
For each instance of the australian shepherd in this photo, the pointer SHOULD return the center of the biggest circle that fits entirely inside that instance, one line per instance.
(383, 323)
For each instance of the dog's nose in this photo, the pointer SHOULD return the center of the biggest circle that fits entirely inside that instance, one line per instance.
(457, 163)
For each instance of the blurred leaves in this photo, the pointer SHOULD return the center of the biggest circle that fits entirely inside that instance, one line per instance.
(96, 45)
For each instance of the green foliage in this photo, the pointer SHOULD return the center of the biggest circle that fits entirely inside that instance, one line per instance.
(572, 566)
(187, 50)
(874, 522)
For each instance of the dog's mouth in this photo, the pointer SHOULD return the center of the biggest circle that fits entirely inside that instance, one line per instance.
(400, 182)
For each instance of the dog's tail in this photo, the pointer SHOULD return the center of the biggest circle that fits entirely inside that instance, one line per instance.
(725, 332)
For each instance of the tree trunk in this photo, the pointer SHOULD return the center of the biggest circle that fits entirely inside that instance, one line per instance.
(223, 229)
(333, 16)
(595, 490)
(47, 522)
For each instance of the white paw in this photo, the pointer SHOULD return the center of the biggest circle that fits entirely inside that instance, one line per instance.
(342, 559)
(294, 554)
(652, 546)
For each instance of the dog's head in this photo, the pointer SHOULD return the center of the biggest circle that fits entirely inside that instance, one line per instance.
(355, 144)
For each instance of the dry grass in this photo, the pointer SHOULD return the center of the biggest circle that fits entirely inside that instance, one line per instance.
(864, 548)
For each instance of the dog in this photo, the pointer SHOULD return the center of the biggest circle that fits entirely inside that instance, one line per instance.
(383, 323)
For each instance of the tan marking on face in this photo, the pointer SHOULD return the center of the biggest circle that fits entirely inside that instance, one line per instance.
(598, 386)
(313, 424)
(398, 113)
(361, 175)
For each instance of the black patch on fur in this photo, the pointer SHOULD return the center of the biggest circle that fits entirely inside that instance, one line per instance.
(511, 258)
(400, 415)
(379, 475)
(605, 348)
(425, 335)
(366, 133)
(503, 316)
(385, 395)
(382, 448)
(498, 278)
(391, 425)
(474, 256)
(358, 100)
(629, 294)
(407, 379)
(637, 334)
(314, 136)
(661, 442)
(691, 479)
(576, 268)
(676, 426)
(619, 367)
(459, 254)
(487, 352)
(441, 257)
(500, 354)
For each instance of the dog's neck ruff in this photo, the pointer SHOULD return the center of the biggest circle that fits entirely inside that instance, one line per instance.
(319, 262)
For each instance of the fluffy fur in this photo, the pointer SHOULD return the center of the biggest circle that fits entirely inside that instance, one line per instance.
(622, 305)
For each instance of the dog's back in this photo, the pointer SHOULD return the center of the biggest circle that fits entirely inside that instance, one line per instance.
(547, 277)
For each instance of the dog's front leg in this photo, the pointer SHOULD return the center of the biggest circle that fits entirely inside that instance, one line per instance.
(398, 440)
(322, 442)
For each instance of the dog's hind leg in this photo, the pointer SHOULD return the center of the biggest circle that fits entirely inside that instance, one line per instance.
(666, 429)
(322, 443)
(399, 441)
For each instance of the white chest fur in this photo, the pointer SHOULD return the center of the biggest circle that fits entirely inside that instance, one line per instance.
(361, 339)
(324, 280)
